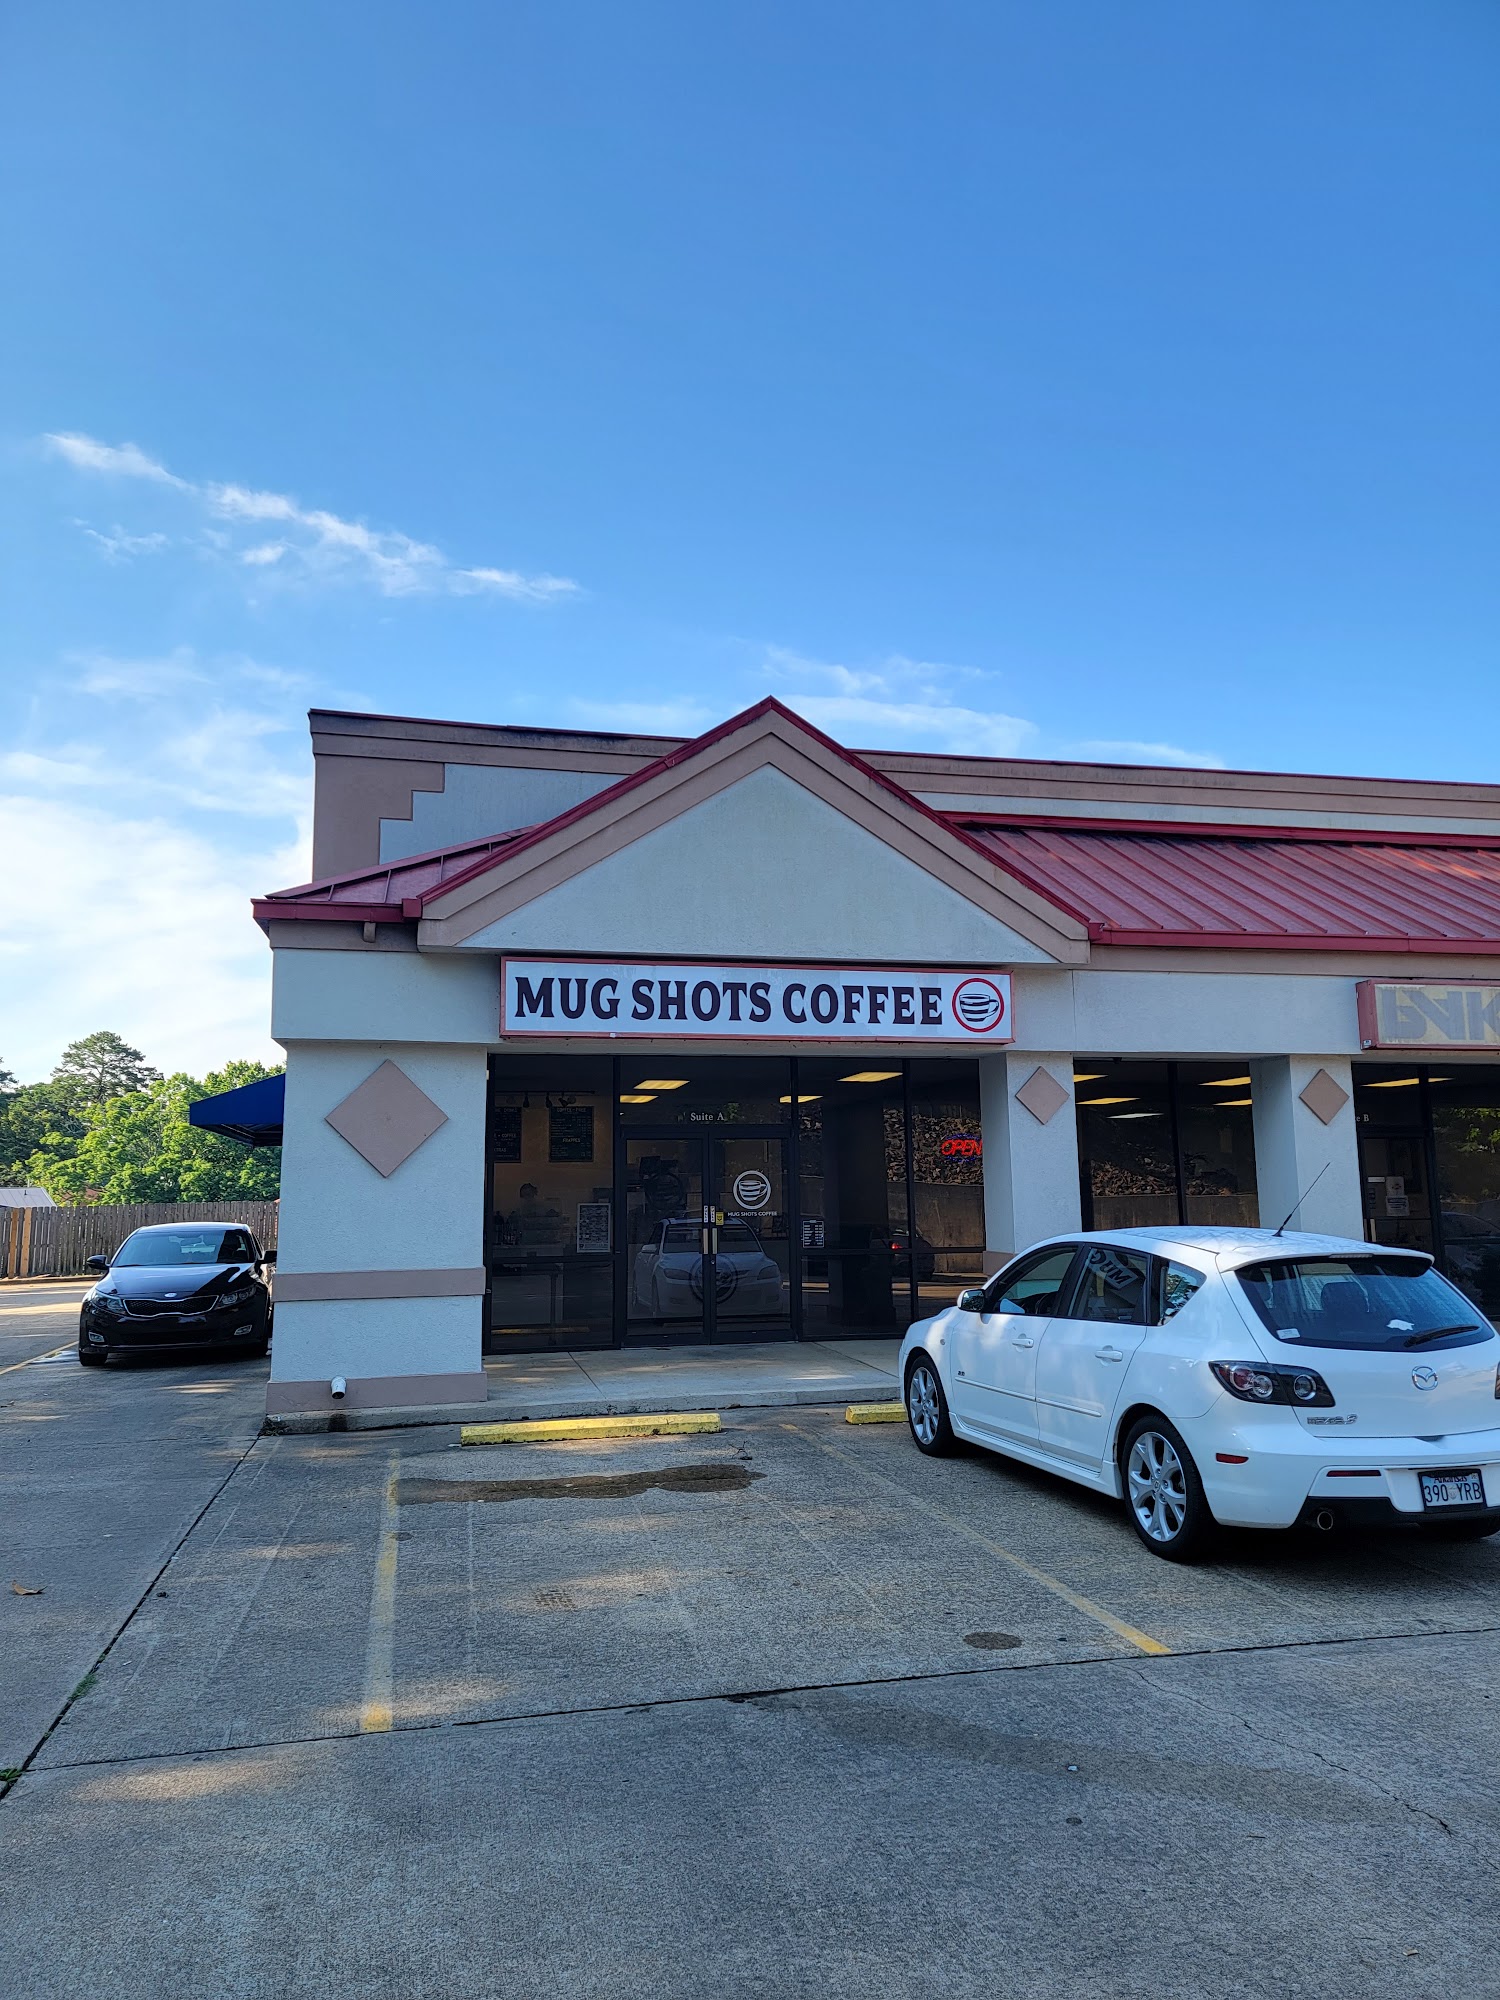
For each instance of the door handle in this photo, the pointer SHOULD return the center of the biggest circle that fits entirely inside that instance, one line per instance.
(1023, 1340)
(1108, 1354)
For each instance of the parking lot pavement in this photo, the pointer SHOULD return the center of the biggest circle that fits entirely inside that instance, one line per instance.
(102, 1473)
(37, 1314)
(779, 1710)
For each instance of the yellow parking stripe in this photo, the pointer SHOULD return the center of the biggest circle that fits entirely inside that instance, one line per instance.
(380, 1647)
(11, 1366)
(556, 1430)
(1142, 1641)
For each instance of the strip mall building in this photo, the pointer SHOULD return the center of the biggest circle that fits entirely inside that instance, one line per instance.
(595, 1039)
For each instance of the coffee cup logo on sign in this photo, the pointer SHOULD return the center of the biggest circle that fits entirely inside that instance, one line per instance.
(978, 1005)
(752, 1189)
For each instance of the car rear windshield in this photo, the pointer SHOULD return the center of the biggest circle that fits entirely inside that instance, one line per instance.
(1369, 1302)
(170, 1248)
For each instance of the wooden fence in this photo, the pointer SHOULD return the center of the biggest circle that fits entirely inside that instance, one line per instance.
(56, 1242)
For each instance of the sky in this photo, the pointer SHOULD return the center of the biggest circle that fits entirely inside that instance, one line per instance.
(979, 376)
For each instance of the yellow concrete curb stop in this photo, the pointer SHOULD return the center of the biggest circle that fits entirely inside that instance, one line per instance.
(557, 1430)
(875, 1413)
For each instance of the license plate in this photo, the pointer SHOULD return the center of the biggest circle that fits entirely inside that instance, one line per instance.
(1452, 1489)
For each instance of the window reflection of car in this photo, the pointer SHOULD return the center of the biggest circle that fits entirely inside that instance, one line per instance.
(901, 1250)
(1472, 1254)
(667, 1281)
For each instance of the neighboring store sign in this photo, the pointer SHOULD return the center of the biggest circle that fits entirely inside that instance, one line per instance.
(836, 1003)
(1394, 1015)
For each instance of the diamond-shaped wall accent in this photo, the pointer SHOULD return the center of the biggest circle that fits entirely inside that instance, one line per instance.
(1042, 1095)
(1324, 1097)
(386, 1118)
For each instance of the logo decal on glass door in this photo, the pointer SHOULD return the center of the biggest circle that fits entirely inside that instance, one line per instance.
(752, 1190)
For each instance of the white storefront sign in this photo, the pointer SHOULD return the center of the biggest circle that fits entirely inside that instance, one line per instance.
(833, 1003)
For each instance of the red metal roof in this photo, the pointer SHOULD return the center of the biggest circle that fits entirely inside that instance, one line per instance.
(1255, 889)
(386, 894)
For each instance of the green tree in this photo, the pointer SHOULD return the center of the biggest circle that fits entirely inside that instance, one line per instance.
(101, 1066)
(37, 1118)
(138, 1146)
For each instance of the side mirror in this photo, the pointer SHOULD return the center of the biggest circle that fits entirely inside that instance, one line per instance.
(96, 1263)
(268, 1256)
(971, 1300)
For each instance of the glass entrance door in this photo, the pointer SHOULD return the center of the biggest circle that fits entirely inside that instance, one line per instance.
(748, 1195)
(707, 1237)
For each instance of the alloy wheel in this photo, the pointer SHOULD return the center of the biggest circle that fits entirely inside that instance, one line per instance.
(922, 1403)
(1158, 1486)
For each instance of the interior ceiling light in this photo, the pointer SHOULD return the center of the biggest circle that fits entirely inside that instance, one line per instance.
(637, 1096)
(813, 1099)
(1119, 1117)
(663, 1083)
(871, 1076)
(1396, 1083)
(1223, 1082)
(1107, 1100)
(1087, 1075)
(1230, 1103)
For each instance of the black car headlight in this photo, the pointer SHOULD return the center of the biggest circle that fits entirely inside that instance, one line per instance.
(110, 1302)
(239, 1295)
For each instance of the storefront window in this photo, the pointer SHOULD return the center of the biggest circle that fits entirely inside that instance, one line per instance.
(1216, 1138)
(1390, 1113)
(1423, 1128)
(551, 1266)
(708, 1090)
(1466, 1147)
(857, 1249)
(1165, 1142)
(947, 1181)
(1125, 1144)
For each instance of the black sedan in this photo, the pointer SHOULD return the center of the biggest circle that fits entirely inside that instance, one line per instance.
(178, 1285)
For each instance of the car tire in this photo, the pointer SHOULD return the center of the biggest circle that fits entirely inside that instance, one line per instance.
(927, 1408)
(1164, 1496)
(90, 1357)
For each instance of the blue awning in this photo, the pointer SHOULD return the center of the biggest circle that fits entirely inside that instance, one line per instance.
(251, 1114)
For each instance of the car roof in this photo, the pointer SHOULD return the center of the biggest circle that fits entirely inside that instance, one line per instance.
(168, 1228)
(1230, 1247)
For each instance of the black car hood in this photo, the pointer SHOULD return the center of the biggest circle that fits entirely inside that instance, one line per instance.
(166, 1281)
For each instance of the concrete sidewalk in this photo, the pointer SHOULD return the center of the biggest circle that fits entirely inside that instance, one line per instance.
(614, 1381)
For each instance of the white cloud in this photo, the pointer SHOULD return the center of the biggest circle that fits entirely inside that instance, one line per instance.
(903, 704)
(128, 905)
(900, 704)
(315, 545)
(119, 546)
(126, 459)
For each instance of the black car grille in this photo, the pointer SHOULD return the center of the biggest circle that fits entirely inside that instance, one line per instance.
(165, 1308)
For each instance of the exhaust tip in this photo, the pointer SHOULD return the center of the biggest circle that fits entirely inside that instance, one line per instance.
(1323, 1519)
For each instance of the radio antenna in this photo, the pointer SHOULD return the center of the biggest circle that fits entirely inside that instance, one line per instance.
(1304, 1194)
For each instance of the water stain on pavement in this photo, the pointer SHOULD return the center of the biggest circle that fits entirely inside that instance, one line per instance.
(714, 1477)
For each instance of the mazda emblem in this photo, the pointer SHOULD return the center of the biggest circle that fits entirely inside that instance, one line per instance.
(1424, 1378)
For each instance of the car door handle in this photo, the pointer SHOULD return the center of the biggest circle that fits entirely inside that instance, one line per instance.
(1108, 1354)
(1023, 1340)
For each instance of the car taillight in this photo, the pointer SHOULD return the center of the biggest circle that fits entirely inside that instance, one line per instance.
(1273, 1382)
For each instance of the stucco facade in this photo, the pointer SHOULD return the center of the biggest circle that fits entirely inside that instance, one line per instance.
(445, 848)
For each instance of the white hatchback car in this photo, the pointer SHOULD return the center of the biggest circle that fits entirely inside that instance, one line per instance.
(1224, 1376)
